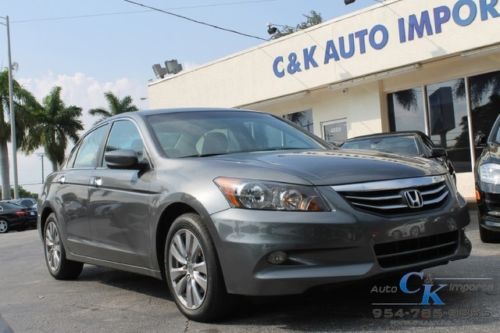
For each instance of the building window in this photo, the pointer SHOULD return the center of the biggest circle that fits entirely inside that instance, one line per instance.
(335, 131)
(485, 100)
(303, 119)
(406, 110)
(448, 114)
(448, 121)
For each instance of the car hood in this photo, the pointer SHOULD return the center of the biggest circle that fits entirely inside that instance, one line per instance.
(337, 167)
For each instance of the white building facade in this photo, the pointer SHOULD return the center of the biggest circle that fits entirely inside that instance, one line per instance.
(432, 66)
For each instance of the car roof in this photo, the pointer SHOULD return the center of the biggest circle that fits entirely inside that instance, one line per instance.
(150, 112)
(387, 134)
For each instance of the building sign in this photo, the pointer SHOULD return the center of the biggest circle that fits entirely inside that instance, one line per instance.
(415, 26)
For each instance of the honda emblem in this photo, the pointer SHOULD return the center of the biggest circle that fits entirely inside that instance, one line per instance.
(413, 198)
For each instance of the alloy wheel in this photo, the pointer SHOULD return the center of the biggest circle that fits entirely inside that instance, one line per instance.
(188, 269)
(3, 226)
(53, 247)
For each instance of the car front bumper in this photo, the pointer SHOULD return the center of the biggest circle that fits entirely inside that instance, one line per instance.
(332, 247)
(489, 211)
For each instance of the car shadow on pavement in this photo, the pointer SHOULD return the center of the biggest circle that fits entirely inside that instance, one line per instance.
(129, 281)
(342, 307)
(350, 307)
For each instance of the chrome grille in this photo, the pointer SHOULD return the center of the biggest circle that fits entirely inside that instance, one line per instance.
(387, 197)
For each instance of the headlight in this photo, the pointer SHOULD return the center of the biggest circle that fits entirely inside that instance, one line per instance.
(263, 195)
(490, 173)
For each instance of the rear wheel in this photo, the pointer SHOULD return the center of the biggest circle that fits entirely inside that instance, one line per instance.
(55, 254)
(488, 236)
(192, 271)
(4, 226)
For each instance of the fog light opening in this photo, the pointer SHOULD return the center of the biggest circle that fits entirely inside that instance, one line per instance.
(277, 258)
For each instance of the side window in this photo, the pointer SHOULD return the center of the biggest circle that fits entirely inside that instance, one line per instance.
(88, 154)
(71, 159)
(125, 136)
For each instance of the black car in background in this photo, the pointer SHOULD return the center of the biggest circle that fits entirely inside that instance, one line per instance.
(32, 209)
(487, 173)
(12, 216)
(409, 143)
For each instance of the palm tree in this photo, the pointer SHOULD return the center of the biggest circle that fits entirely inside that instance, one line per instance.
(24, 105)
(313, 18)
(55, 123)
(116, 106)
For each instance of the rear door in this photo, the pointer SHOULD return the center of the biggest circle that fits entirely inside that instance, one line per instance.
(72, 190)
(120, 203)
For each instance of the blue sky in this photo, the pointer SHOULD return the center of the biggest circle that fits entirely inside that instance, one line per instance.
(109, 47)
(87, 56)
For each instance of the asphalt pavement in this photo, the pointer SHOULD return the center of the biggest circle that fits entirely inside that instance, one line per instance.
(106, 300)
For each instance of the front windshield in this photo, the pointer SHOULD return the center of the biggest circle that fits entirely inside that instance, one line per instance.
(205, 133)
(403, 145)
(495, 132)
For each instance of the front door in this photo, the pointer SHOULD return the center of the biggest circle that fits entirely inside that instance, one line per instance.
(119, 204)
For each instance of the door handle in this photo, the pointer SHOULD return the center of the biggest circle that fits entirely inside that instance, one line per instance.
(98, 181)
(62, 179)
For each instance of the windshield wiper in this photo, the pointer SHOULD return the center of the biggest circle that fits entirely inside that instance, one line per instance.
(205, 155)
(245, 151)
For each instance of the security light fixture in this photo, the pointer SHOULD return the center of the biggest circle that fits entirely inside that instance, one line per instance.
(159, 71)
(171, 67)
(348, 2)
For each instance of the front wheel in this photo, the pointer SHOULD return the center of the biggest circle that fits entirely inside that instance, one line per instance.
(192, 271)
(4, 226)
(55, 254)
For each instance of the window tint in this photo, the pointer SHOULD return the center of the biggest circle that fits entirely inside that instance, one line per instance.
(407, 110)
(8, 205)
(485, 98)
(449, 122)
(125, 136)
(27, 203)
(88, 154)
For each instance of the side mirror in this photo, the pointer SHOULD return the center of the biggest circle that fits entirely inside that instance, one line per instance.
(438, 152)
(122, 159)
(480, 140)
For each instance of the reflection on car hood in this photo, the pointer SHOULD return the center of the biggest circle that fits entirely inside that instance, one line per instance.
(338, 167)
(492, 154)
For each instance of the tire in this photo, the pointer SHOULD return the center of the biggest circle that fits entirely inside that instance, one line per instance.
(488, 236)
(4, 226)
(194, 276)
(55, 254)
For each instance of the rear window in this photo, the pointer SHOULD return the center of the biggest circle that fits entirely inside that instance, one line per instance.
(403, 145)
(8, 205)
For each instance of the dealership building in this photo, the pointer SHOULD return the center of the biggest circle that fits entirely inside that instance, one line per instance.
(432, 66)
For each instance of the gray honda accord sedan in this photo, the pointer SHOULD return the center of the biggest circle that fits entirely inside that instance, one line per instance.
(225, 202)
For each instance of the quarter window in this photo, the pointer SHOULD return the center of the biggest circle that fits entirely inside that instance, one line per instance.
(90, 148)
